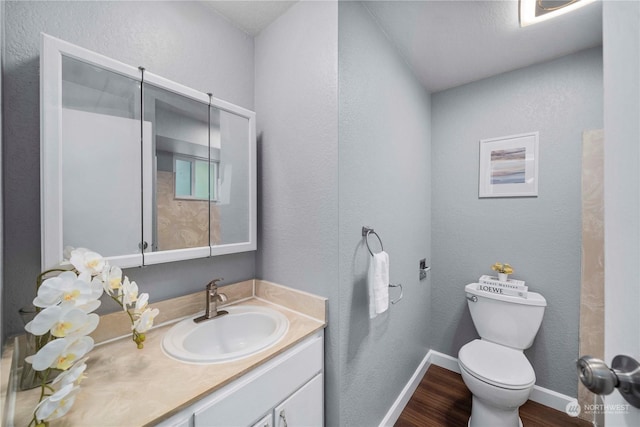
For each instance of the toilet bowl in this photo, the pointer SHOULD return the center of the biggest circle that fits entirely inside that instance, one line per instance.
(500, 380)
(494, 368)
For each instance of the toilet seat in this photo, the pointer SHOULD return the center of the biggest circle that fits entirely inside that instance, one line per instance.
(497, 365)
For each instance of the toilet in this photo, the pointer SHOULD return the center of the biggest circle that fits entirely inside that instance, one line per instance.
(494, 367)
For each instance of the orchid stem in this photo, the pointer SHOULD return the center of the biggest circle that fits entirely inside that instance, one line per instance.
(136, 335)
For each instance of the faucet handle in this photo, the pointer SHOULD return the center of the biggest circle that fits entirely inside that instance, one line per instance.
(214, 283)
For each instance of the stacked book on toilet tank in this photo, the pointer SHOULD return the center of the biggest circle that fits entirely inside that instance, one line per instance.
(511, 287)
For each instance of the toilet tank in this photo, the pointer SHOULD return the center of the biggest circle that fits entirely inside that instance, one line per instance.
(507, 320)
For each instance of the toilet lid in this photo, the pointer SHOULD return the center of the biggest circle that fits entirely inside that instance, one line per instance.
(496, 364)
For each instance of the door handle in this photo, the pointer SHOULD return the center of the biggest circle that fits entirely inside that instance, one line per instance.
(283, 417)
(624, 375)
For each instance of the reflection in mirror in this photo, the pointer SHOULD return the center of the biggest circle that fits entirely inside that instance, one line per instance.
(183, 168)
(233, 205)
(100, 158)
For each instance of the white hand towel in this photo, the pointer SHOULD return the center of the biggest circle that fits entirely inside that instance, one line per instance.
(378, 281)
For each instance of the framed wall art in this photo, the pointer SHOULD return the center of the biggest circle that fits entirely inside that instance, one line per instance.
(509, 166)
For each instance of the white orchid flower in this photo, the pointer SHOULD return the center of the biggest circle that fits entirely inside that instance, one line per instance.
(60, 353)
(87, 262)
(112, 280)
(50, 293)
(129, 292)
(68, 289)
(145, 322)
(142, 303)
(75, 322)
(66, 320)
(58, 404)
(42, 323)
(63, 321)
(74, 375)
(90, 303)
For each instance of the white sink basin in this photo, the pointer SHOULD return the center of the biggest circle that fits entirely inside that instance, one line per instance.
(246, 330)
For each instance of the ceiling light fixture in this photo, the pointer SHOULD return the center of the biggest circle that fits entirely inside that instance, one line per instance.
(534, 11)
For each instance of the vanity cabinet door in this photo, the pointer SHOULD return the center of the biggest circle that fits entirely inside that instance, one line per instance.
(267, 421)
(304, 407)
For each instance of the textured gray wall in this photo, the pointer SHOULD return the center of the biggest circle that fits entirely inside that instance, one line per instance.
(297, 115)
(539, 236)
(296, 110)
(384, 145)
(385, 183)
(182, 41)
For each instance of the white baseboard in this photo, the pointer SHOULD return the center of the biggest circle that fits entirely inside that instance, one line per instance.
(541, 395)
(445, 361)
(405, 395)
(550, 398)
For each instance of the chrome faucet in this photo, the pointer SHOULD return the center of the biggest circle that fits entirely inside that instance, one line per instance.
(213, 297)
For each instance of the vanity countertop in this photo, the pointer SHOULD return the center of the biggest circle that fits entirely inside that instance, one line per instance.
(130, 387)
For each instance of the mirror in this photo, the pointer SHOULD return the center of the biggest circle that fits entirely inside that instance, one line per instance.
(139, 168)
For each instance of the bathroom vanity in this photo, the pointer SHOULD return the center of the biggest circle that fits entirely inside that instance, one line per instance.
(280, 385)
(287, 390)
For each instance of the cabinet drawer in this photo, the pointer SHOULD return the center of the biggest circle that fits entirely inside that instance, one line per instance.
(244, 402)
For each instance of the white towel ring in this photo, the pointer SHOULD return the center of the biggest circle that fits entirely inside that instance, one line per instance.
(365, 233)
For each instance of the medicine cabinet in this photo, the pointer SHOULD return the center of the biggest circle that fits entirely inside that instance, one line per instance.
(139, 168)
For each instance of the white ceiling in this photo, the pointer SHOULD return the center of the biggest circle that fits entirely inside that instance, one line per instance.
(450, 42)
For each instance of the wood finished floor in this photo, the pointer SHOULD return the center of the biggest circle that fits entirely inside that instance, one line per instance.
(442, 399)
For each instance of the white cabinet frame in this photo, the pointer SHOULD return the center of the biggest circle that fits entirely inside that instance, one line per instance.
(52, 51)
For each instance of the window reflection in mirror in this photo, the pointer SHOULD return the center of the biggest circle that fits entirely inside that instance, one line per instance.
(183, 167)
(195, 178)
(100, 158)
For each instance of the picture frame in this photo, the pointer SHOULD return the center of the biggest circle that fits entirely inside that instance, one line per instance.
(509, 166)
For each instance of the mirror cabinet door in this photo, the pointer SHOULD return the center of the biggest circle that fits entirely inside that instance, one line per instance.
(180, 168)
(231, 210)
(100, 159)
